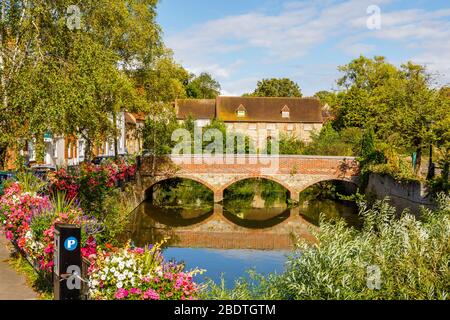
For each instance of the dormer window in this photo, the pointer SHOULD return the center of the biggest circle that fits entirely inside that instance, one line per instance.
(285, 112)
(241, 112)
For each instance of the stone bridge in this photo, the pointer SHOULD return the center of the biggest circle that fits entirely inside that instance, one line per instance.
(295, 173)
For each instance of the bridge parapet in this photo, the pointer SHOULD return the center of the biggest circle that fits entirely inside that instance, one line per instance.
(295, 173)
(252, 164)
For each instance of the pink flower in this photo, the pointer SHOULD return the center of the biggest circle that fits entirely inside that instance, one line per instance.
(151, 294)
(135, 291)
(9, 235)
(121, 294)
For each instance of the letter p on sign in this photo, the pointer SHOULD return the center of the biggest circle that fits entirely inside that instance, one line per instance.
(70, 244)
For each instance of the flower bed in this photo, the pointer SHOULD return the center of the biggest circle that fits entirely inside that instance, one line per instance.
(114, 273)
(90, 183)
(139, 274)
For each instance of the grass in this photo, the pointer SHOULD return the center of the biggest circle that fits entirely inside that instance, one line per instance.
(35, 280)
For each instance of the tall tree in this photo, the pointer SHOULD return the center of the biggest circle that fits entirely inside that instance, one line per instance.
(158, 130)
(277, 88)
(398, 103)
(162, 81)
(64, 80)
(203, 86)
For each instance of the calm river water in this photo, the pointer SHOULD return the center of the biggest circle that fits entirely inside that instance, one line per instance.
(226, 241)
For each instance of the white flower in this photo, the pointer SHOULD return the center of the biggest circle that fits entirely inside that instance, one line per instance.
(119, 285)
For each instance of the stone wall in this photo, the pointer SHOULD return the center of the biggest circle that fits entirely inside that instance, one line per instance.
(301, 131)
(410, 195)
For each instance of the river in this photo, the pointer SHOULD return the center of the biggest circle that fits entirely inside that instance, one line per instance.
(227, 240)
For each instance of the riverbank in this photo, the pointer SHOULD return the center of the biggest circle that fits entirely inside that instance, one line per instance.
(13, 286)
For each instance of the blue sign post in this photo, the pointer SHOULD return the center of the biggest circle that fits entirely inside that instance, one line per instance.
(67, 262)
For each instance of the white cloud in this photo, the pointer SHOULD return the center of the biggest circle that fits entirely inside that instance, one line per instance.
(300, 27)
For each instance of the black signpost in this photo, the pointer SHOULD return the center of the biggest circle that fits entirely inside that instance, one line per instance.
(67, 259)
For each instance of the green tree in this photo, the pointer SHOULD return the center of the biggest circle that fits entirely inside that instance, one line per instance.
(441, 137)
(69, 81)
(158, 131)
(290, 145)
(164, 80)
(203, 86)
(398, 103)
(328, 142)
(326, 97)
(277, 88)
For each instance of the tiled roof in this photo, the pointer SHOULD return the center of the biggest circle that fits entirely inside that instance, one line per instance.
(197, 108)
(307, 110)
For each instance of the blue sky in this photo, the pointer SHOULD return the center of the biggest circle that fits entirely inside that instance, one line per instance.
(243, 41)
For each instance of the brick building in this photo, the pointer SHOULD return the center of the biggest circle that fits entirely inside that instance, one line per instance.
(297, 117)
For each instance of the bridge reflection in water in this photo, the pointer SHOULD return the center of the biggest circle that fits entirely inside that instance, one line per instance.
(260, 229)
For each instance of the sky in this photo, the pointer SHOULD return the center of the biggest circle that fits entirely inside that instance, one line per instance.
(242, 41)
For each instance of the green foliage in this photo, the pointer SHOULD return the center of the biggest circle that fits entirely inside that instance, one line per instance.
(162, 81)
(203, 87)
(386, 161)
(255, 287)
(241, 194)
(289, 144)
(182, 193)
(41, 223)
(277, 88)
(158, 130)
(412, 256)
(60, 206)
(441, 132)
(37, 280)
(118, 205)
(208, 146)
(330, 142)
(30, 183)
(400, 104)
(65, 81)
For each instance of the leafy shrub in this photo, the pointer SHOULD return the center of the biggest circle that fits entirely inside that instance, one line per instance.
(92, 184)
(290, 145)
(30, 183)
(412, 256)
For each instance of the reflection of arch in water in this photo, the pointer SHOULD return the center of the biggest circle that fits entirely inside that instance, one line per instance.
(318, 201)
(170, 219)
(257, 224)
(149, 188)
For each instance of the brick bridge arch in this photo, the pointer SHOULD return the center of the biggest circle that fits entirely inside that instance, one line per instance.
(295, 173)
(150, 183)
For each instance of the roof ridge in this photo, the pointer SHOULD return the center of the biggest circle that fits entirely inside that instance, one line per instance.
(294, 98)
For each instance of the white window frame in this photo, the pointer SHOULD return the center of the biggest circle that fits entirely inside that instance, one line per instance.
(241, 113)
(31, 150)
